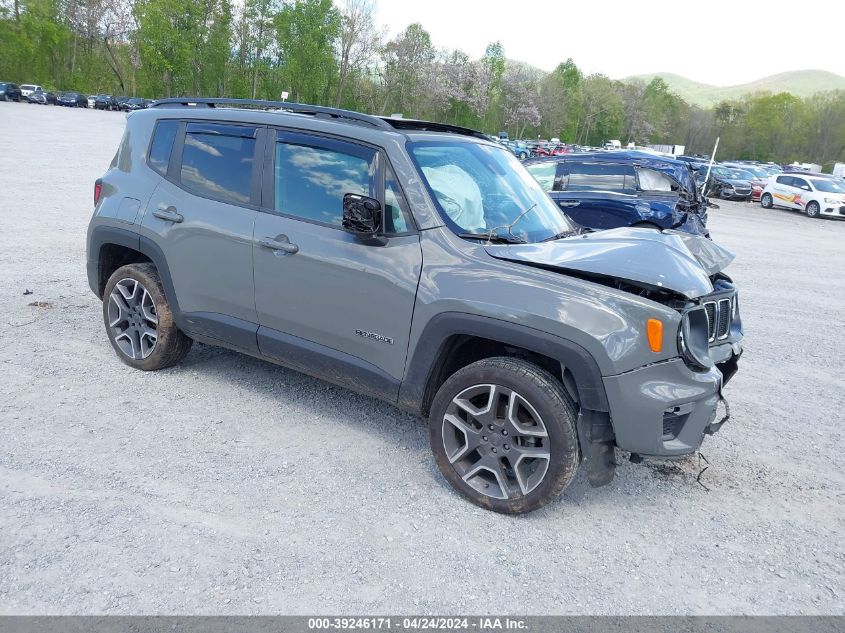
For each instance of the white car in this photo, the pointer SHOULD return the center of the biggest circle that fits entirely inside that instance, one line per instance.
(92, 100)
(28, 89)
(814, 195)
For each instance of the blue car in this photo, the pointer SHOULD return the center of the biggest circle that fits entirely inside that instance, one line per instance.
(519, 149)
(605, 190)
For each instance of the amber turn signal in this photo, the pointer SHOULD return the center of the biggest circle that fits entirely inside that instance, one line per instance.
(654, 329)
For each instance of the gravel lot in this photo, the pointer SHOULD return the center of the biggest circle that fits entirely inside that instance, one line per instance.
(229, 485)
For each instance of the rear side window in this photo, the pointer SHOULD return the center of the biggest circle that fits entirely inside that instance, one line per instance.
(217, 161)
(310, 181)
(600, 177)
(162, 145)
(784, 180)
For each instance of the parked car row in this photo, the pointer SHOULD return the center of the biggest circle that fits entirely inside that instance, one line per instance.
(33, 93)
(525, 149)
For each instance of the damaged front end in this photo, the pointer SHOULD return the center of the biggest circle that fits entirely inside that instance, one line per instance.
(663, 408)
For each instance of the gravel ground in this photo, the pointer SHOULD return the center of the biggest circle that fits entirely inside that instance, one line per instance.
(229, 485)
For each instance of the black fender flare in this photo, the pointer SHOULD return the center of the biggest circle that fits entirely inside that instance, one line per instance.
(431, 349)
(104, 234)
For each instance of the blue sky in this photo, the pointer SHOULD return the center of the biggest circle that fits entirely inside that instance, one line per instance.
(715, 41)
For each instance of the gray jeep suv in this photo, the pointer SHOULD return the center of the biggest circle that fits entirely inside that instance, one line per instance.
(421, 264)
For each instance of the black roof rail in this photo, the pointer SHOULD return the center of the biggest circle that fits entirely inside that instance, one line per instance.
(301, 108)
(430, 126)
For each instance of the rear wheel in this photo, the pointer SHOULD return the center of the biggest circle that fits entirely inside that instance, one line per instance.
(766, 201)
(503, 435)
(812, 209)
(138, 320)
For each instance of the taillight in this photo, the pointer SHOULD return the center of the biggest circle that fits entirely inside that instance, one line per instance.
(98, 190)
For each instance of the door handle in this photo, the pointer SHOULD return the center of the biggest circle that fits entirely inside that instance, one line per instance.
(568, 203)
(280, 243)
(168, 214)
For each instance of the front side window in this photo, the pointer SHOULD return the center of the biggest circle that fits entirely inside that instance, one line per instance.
(828, 186)
(310, 181)
(651, 180)
(484, 189)
(396, 217)
(217, 161)
(600, 177)
(544, 173)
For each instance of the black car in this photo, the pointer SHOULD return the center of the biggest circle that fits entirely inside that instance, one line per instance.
(44, 97)
(105, 102)
(605, 190)
(10, 91)
(72, 100)
(136, 103)
(724, 182)
(121, 102)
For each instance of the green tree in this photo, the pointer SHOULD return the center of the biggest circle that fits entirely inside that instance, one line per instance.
(307, 30)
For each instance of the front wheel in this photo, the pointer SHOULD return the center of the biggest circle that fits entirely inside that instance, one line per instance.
(766, 201)
(138, 320)
(503, 435)
(812, 209)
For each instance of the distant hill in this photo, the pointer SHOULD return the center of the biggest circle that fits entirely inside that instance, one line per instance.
(801, 83)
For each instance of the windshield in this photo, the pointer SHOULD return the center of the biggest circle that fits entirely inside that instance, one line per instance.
(481, 188)
(827, 186)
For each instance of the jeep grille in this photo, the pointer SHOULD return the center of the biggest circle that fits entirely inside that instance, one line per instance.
(719, 317)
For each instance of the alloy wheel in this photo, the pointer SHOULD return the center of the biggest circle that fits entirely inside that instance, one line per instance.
(132, 319)
(496, 441)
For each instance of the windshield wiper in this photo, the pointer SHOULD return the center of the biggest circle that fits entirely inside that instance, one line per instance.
(493, 237)
(569, 233)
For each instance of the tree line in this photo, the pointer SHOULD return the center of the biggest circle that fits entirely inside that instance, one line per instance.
(338, 55)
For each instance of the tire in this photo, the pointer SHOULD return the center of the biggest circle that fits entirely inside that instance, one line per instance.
(476, 438)
(141, 329)
(813, 210)
(766, 201)
(523, 155)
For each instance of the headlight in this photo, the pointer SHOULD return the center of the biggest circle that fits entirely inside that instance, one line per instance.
(692, 340)
(832, 201)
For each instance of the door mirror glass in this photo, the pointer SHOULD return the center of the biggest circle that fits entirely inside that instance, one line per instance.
(362, 215)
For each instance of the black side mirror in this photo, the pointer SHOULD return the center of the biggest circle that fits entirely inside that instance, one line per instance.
(362, 216)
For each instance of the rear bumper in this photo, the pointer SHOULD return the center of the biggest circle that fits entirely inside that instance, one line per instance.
(666, 409)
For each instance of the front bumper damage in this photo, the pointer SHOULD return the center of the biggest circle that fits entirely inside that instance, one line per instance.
(666, 409)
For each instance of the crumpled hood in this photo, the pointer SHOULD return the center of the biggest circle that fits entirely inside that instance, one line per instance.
(674, 260)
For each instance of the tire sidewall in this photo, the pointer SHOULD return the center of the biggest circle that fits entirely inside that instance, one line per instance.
(766, 201)
(167, 332)
(557, 415)
(813, 205)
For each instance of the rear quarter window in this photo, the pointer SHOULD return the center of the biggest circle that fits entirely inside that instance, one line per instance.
(162, 145)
